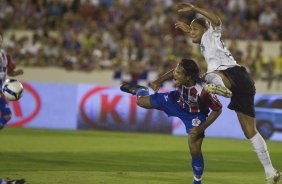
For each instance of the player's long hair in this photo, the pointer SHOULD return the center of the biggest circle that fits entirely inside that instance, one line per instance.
(191, 69)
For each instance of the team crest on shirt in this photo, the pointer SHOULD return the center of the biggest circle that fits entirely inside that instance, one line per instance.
(196, 122)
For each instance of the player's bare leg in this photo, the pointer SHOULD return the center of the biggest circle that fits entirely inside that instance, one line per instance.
(248, 125)
(218, 90)
(224, 79)
(144, 101)
(218, 84)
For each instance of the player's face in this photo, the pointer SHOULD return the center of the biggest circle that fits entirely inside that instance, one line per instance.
(197, 32)
(179, 76)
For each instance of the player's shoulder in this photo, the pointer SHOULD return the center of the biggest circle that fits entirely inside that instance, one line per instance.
(213, 30)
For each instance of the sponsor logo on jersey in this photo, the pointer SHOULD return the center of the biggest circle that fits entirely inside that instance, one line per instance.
(166, 98)
(198, 168)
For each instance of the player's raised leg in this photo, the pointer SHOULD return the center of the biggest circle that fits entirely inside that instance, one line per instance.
(142, 93)
(217, 85)
(132, 88)
(248, 125)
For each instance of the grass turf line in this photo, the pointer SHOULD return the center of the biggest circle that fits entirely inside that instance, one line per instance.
(60, 156)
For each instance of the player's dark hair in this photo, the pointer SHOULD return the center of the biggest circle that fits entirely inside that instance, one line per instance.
(191, 69)
(202, 21)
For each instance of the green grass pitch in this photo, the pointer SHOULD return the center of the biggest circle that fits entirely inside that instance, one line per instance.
(102, 157)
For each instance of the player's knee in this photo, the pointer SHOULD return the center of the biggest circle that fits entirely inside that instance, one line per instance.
(144, 101)
(213, 78)
(5, 118)
(195, 152)
(8, 117)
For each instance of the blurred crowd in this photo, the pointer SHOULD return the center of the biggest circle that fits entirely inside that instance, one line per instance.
(133, 36)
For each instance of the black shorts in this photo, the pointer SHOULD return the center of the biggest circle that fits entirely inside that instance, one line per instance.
(243, 90)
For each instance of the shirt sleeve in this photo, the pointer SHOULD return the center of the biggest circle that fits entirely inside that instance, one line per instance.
(213, 32)
(11, 65)
(209, 32)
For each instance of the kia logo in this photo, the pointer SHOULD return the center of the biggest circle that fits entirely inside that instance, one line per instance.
(105, 107)
(17, 106)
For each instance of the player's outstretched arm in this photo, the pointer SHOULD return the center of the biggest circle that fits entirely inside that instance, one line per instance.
(184, 7)
(155, 85)
(214, 104)
(194, 132)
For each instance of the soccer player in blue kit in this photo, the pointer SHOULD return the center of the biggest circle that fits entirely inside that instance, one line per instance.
(190, 102)
(225, 72)
(7, 67)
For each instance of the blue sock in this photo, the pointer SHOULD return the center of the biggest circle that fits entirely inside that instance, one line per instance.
(198, 167)
(142, 92)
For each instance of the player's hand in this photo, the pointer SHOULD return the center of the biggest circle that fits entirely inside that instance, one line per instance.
(184, 7)
(20, 72)
(155, 86)
(183, 26)
(16, 72)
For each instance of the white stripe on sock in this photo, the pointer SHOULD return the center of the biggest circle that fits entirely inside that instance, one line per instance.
(197, 179)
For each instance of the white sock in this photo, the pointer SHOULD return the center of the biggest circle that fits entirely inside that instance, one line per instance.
(197, 179)
(212, 78)
(260, 148)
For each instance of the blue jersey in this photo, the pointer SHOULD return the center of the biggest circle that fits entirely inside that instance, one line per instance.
(6, 65)
(190, 104)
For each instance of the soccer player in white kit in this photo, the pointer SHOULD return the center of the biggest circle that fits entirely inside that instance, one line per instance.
(224, 71)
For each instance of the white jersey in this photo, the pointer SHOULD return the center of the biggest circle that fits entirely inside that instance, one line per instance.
(3, 64)
(6, 65)
(217, 56)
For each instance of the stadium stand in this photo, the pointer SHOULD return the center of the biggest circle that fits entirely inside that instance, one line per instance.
(136, 39)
